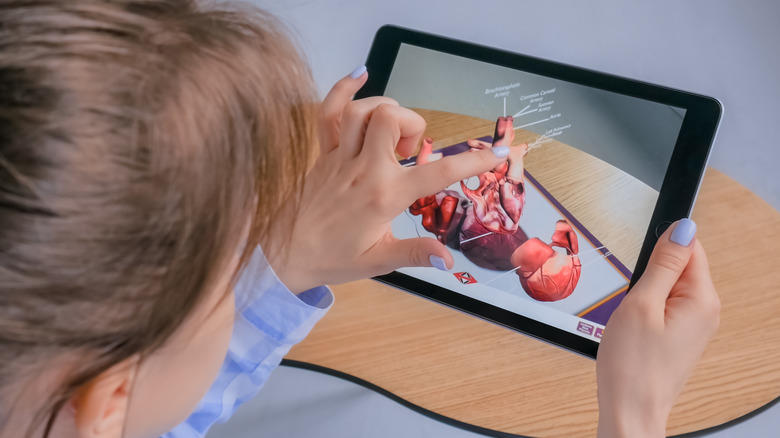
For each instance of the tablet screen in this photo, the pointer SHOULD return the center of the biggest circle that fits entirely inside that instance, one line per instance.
(555, 234)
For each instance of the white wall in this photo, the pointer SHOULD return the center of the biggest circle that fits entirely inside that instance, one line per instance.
(725, 49)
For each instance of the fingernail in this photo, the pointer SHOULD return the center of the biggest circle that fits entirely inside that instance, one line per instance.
(683, 233)
(358, 72)
(501, 151)
(438, 263)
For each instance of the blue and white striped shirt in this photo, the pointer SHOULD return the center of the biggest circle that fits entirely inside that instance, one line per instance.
(269, 321)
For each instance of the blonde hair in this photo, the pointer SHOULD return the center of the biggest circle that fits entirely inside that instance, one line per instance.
(137, 138)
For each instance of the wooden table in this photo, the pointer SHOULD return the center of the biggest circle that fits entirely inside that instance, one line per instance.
(472, 371)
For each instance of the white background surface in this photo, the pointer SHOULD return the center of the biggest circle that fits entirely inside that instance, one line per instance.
(725, 49)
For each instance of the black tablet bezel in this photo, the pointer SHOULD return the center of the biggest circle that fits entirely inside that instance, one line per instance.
(678, 190)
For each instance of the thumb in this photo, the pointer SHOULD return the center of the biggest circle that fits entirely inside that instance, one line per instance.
(669, 258)
(419, 251)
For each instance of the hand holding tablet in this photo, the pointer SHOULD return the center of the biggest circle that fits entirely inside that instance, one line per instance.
(655, 337)
(550, 245)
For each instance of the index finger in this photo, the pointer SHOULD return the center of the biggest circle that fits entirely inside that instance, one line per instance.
(436, 176)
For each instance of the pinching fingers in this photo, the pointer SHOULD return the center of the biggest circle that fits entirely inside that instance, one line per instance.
(392, 129)
(355, 118)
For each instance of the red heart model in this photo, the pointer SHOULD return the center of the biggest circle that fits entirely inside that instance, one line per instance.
(546, 274)
(483, 227)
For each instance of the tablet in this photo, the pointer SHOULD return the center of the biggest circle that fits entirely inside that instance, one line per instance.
(549, 243)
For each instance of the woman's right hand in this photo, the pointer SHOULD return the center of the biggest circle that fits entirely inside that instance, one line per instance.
(342, 228)
(654, 339)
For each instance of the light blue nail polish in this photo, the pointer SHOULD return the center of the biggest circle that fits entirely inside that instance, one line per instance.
(501, 151)
(683, 232)
(358, 72)
(438, 263)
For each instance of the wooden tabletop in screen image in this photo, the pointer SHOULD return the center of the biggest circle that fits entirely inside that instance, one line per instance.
(613, 205)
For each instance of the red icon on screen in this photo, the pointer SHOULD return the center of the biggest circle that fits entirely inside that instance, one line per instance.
(465, 278)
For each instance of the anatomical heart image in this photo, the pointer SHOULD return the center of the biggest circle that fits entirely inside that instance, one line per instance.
(483, 223)
(508, 235)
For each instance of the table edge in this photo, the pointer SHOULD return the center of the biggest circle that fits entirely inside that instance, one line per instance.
(292, 363)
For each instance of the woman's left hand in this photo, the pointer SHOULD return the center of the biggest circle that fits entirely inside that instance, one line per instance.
(357, 187)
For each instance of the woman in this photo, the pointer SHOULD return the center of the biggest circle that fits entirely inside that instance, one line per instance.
(149, 148)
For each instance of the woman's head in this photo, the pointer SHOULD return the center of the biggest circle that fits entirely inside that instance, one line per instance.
(139, 140)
